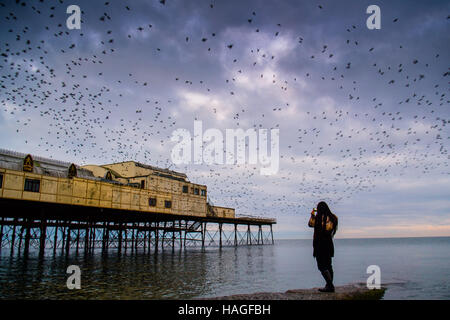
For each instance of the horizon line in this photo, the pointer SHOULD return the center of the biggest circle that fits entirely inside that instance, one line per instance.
(360, 238)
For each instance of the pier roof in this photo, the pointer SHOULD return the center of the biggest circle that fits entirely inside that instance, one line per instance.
(14, 160)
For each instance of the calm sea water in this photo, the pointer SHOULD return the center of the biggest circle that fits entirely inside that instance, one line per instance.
(411, 268)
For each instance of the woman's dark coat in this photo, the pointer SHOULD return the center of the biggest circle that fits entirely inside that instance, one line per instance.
(322, 240)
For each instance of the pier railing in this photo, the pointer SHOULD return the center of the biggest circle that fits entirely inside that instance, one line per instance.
(256, 218)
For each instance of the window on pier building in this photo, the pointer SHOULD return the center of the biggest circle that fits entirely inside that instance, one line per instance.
(197, 191)
(203, 192)
(142, 184)
(1, 180)
(168, 204)
(152, 202)
(32, 185)
(185, 189)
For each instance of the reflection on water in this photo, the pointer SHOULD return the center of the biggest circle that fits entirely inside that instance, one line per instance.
(415, 268)
(177, 274)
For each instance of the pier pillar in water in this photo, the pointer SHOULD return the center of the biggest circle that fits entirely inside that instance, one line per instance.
(180, 234)
(21, 234)
(164, 235)
(1, 233)
(42, 237)
(271, 233)
(156, 236)
(78, 236)
(203, 233)
(150, 236)
(173, 234)
(27, 236)
(120, 237)
(134, 235)
(63, 239)
(220, 235)
(68, 240)
(125, 229)
(55, 239)
(13, 237)
(86, 238)
(260, 235)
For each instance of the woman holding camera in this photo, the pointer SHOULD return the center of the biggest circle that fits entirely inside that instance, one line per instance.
(325, 225)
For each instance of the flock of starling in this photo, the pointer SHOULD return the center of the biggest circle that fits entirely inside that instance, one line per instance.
(81, 96)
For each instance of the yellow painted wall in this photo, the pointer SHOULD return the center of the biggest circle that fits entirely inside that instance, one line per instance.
(223, 212)
(85, 192)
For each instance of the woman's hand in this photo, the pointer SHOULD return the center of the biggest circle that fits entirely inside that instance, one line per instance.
(312, 219)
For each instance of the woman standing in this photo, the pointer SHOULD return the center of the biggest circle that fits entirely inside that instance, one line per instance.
(325, 225)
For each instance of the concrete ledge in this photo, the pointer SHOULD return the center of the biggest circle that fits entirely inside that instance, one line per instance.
(356, 291)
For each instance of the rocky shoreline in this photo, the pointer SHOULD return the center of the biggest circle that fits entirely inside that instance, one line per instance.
(356, 291)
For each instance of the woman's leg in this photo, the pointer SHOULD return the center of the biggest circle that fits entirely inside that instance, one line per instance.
(325, 267)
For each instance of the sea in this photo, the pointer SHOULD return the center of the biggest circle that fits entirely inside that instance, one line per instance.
(410, 268)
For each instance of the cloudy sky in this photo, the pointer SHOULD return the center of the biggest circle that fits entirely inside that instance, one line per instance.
(363, 115)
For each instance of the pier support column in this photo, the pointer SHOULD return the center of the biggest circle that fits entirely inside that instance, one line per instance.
(106, 234)
(86, 238)
(185, 232)
(42, 237)
(156, 236)
(149, 237)
(173, 235)
(203, 233)
(163, 236)
(180, 234)
(104, 230)
(63, 239)
(271, 233)
(27, 237)
(145, 236)
(235, 235)
(133, 237)
(21, 234)
(1, 233)
(55, 239)
(125, 228)
(249, 235)
(13, 237)
(92, 237)
(120, 237)
(260, 238)
(220, 235)
(78, 237)
(68, 240)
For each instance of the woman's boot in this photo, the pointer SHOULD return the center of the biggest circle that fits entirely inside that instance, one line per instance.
(328, 278)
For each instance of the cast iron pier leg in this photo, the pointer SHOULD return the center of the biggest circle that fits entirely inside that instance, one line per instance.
(42, 237)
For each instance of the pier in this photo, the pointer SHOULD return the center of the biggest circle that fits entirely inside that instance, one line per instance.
(52, 205)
